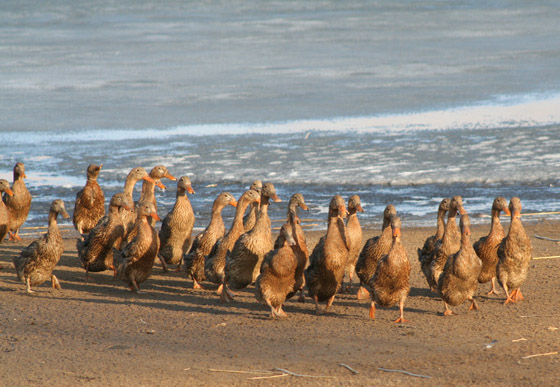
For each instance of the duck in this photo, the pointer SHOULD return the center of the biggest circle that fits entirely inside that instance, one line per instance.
(355, 237)
(148, 187)
(203, 243)
(129, 217)
(4, 188)
(250, 218)
(302, 252)
(18, 204)
(215, 262)
(244, 261)
(459, 280)
(277, 276)
(450, 242)
(324, 275)
(36, 262)
(134, 263)
(514, 253)
(89, 206)
(177, 226)
(374, 249)
(96, 251)
(487, 247)
(425, 254)
(391, 282)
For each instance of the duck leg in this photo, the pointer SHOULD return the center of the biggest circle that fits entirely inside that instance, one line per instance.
(518, 295)
(226, 295)
(281, 312)
(318, 309)
(493, 290)
(372, 310)
(134, 287)
(474, 305)
(447, 311)
(163, 264)
(508, 296)
(196, 285)
(28, 285)
(301, 296)
(401, 319)
(363, 293)
(55, 283)
(329, 302)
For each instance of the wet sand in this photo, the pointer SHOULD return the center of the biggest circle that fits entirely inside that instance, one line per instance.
(99, 333)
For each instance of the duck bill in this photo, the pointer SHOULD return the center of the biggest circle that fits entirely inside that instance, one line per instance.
(148, 179)
(276, 198)
(507, 212)
(99, 167)
(65, 214)
(462, 211)
(342, 211)
(170, 176)
(467, 231)
(359, 208)
(304, 207)
(396, 232)
(190, 190)
(160, 184)
(126, 207)
(9, 192)
(155, 216)
(233, 203)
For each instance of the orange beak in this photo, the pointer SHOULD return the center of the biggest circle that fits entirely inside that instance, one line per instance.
(148, 178)
(170, 176)
(190, 190)
(342, 211)
(100, 166)
(467, 231)
(233, 203)
(396, 232)
(155, 216)
(359, 208)
(9, 192)
(462, 211)
(304, 207)
(24, 175)
(160, 184)
(276, 198)
(506, 211)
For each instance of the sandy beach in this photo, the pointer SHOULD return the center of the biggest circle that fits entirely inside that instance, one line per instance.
(99, 333)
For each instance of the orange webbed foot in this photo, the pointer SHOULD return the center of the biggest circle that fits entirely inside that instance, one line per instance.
(401, 320)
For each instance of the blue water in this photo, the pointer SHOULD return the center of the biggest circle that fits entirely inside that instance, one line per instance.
(401, 102)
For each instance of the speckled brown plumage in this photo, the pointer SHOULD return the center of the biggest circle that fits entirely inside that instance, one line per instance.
(354, 236)
(36, 262)
(277, 277)
(96, 250)
(450, 242)
(203, 243)
(425, 254)
(459, 280)
(324, 275)
(89, 206)
(515, 254)
(6, 190)
(134, 263)
(250, 218)
(215, 262)
(176, 229)
(373, 250)
(487, 247)
(391, 282)
(244, 261)
(19, 203)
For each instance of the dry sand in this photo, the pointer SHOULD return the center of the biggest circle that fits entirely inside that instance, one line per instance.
(100, 334)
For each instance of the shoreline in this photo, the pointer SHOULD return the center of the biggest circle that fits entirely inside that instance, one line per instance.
(101, 333)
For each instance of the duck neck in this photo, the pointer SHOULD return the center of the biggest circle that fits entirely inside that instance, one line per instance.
(496, 226)
(129, 186)
(53, 219)
(148, 191)
(440, 224)
(114, 210)
(239, 212)
(386, 223)
(465, 240)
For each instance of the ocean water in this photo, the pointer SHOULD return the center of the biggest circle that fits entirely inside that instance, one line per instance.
(400, 102)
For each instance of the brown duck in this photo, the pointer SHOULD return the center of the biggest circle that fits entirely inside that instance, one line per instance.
(250, 218)
(302, 252)
(487, 247)
(459, 279)
(176, 229)
(324, 275)
(129, 217)
(450, 242)
(215, 262)
(4, 188)
(96, 251)
(425, 254)
(36, 262)
(148, 187)
(89, 206)
(134, 263)
(515, 253)
(18, 204)
(374, 249)
(355, 237)
(203, 243)
(243, 263)
(391, 282)
(277, 277)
